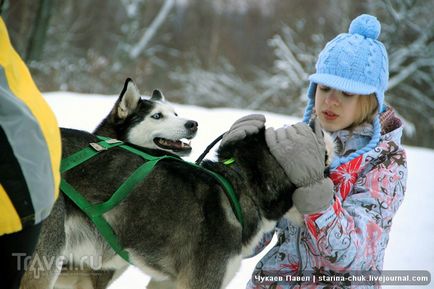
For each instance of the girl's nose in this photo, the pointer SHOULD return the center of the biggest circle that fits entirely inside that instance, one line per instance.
(332, 97)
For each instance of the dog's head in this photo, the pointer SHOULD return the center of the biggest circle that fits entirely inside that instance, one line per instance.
(254, 160)
(151, 123)
(255, 144)
(269, 187)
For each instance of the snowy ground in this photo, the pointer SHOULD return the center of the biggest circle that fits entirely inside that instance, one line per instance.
(411, 245)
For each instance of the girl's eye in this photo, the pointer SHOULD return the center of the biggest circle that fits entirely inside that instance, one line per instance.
(347, 94)
(157, 115)
(324, 88)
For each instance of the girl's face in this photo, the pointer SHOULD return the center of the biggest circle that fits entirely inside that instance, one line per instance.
(335, 109)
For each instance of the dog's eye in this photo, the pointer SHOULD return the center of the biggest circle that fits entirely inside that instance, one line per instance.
(176, 114)
(157, 115)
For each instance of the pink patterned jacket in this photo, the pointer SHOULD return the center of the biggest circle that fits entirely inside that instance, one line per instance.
(353, 233)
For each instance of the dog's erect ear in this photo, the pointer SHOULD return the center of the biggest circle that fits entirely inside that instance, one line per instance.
(128, 99)
(157, 95)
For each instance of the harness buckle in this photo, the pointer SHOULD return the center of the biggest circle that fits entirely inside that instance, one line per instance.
(97, 147)
(113, 141)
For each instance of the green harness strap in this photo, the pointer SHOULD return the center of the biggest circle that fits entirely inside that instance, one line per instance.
(95, 211)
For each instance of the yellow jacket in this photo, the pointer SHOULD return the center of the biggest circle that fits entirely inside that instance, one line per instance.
(30, 146)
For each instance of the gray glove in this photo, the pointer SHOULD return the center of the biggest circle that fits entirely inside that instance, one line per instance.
(247, 125)
(301, 153)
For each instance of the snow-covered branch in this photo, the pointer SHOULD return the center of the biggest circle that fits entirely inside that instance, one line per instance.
(402, 54)
(407, 71)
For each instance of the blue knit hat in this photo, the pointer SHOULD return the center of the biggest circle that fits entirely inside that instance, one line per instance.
(354, 62)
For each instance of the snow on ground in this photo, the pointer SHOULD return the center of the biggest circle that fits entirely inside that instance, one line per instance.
(411, 245)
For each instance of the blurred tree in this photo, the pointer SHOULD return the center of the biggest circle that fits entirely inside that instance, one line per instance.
(152, 29)
(243, 53)
(19, 16)
(40, 26)
(408, 33)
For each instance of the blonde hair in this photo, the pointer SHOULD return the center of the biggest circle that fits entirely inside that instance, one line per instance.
(368, 108)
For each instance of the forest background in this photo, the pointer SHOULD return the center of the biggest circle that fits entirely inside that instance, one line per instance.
(254, 54)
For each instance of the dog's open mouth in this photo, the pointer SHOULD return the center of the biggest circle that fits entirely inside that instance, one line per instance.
(174, 145)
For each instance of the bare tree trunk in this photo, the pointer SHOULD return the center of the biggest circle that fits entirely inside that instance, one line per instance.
(215, 39)
(152, 29)
(37, 37)
(4, 5)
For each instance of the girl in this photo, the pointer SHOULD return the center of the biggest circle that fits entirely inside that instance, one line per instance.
(347, 216)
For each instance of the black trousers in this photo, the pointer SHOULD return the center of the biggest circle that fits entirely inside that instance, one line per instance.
(14, 248)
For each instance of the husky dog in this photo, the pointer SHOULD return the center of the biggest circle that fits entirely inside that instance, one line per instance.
(177, 224)
(150, 123)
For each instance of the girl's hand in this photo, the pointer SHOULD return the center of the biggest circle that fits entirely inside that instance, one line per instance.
(301, 153)
(247, 125)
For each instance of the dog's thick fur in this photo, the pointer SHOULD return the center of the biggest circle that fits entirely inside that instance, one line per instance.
(177, 223)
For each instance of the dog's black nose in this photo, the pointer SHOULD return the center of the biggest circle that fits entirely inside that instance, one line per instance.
(191, 125)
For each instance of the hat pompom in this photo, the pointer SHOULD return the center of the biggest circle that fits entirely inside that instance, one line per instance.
(366, 25)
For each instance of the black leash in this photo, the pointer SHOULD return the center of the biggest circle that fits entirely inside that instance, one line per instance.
(208, 148)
